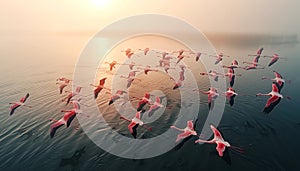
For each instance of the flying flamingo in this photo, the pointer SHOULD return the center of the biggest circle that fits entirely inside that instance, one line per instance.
(274, 58)
(72, 94)
(187, 131)
(179, 83)
(63, 79)
(65, 120)
(230, 95)
(129, 53)
(234, 64)
(198, 55)
(118, 95)
(146, 50)
(15, 105)
(134, 123)
(278, 79)
(219, 57)
(258, 53)
(274, 99)
(212, 73)
(180, 57)
(130, 78)
(63, 84)
(180, 52)
(212, 94)
(218, 139)
(143, 101)
(147, 69)
(254, 64)
(131, 65)
(99, 87)
(112, 65)
(157, 104)
(231, 76)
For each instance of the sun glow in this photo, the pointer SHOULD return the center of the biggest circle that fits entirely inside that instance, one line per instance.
(99, 3)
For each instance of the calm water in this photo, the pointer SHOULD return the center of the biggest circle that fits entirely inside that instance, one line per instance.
(270, 141)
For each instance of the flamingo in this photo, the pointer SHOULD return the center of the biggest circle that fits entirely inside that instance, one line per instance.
(146, 50)
(230, 95)
(15, 105)
(180, 57)
(212, 73)
(198, 55)
(145, 100)
(99, 87)
(63, 79)
(218, 139)
(112, 65)
(234, 64)
(134, 123)
(278, 79)
(219, 57)
(258, 53)
(231, 76)
(63, 85)
(180, 52)
(179, 83)
(254, 64)
(66, 119)
(132, 64)
(130, 78)
(187, 131)
(147, 69)
(212, 94)
(274, 58)
(72, 94)
(274, 99)
(129, 53)
(118, 95)
(157, 104)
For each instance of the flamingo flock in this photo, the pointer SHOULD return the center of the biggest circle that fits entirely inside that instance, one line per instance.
(167, 62)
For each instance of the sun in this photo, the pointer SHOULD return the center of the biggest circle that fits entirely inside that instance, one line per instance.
(99, 3)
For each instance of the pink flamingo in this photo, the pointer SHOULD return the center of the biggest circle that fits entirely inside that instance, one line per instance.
(118, 95)
(212, 94)
(278, 79)
(147, 69)
(231, 75)
(274, 58)
(63, 84)
(146, 50)
(234, 64)
(157, 104)
(212, 73)
(99, 87)
(219, 57)
(218, 139)
(66, 119)
(143, 101)
(63, 79)
(72, 94)
(179, 83)
(15, 105)
(187, 131)
(198, 55)
(274, 99)
(130, 78)
(254, 64)
(258, 53)
(230, 95)
(134, 123)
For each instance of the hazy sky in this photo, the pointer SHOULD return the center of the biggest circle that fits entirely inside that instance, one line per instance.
(36, 30)
(267, 16)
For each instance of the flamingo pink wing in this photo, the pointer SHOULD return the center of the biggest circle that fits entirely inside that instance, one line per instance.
(217, 133)
(220, 148)
(190, 125)
(271, 100)
(182, 136)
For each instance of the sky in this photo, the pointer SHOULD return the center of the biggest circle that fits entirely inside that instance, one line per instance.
(50, 27)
